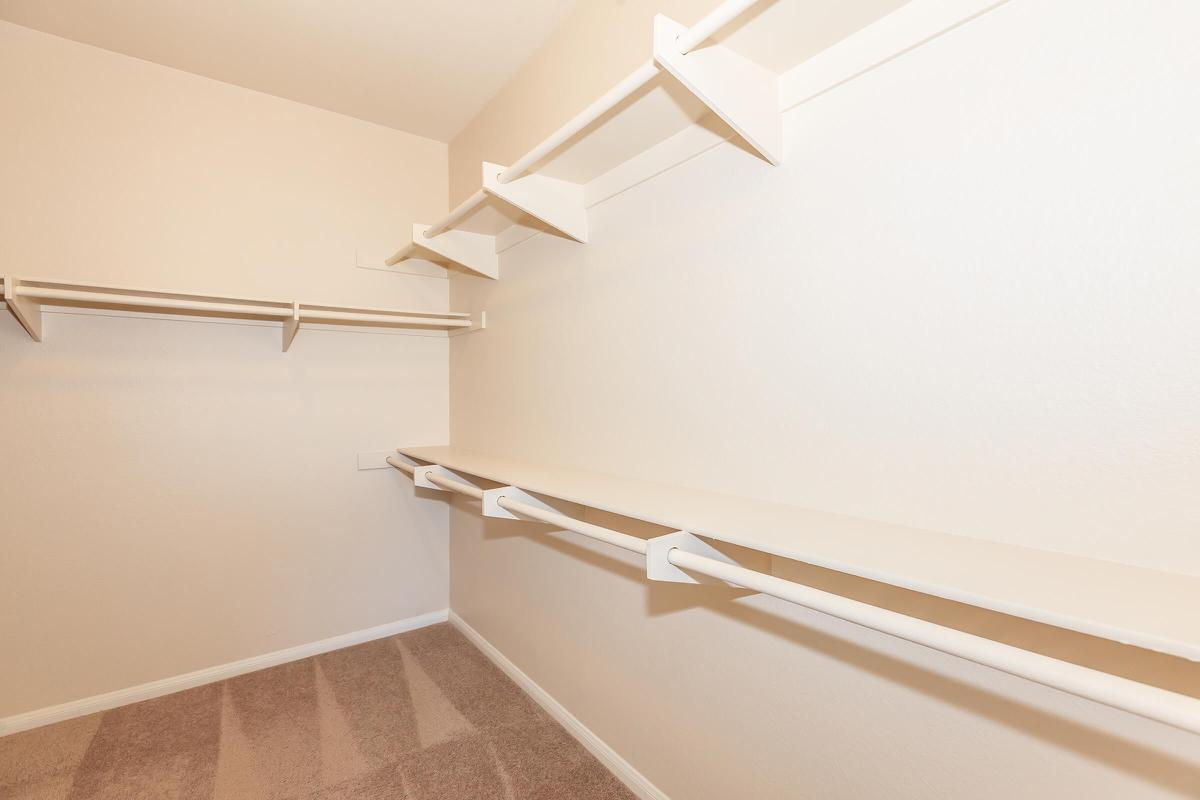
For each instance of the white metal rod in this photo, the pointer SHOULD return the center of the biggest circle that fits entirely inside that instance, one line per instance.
(454, 486)
(41, 293)
(1174, 709)
(634, 81)
(622, 540)
(447, 222)
(384, 319)
(716, 19)
(400, 465)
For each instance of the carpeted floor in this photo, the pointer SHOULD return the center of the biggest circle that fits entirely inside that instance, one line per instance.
(419, 716)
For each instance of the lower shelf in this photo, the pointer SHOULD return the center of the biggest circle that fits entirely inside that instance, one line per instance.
(1133, 605)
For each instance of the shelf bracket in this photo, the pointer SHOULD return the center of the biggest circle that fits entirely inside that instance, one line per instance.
(475, 251)
(736, 89)
(419, 478)
(28, 312)
(658, 568)
(478, 323)
(492, 508)
(554, 202)
(291, 326)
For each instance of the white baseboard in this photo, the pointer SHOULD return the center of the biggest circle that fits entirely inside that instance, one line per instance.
(637, 783)
(147, 691)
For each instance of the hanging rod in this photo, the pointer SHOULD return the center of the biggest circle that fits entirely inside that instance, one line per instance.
(142, 301)
(720, 16)
(381, 318)
(609, 100)
(1171, 708)
(716, 19)
(712, 22)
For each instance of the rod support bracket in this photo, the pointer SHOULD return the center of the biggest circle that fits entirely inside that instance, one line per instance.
(658, 568)
(420, 480)
(492, 507)
(27, 311)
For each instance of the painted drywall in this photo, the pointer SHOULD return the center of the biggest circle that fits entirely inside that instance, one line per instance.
(179, 494)
(965, 302)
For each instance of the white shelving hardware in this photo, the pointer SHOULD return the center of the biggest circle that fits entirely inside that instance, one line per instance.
(26, 297)
(740, 92)
(1154, 610)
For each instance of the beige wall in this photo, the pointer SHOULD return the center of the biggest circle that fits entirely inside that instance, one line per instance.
(180, 494)
(961, 304)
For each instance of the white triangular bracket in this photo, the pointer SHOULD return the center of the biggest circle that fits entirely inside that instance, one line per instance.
(658, 568)
(291, 326)
(419, 478)
(27, 311)
(737, 90)
(475, 251)
(492, 508)
(556, 203)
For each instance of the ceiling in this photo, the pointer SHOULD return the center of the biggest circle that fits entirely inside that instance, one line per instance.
(423, 67)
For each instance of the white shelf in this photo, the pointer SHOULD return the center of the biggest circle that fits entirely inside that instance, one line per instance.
(1142, 607)
(25, 298)
(741, 93)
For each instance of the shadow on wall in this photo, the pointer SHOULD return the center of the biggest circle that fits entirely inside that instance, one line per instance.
(1168, 672)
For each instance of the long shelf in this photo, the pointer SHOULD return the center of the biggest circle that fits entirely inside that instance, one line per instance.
(25, 298)
(1147, 608)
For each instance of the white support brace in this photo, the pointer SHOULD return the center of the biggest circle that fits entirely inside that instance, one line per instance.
(419, 478)
(475, 251)
(291, 326)
(27, 311)
(658, 568)
(492, 509)
(744, 94)
(556, 203)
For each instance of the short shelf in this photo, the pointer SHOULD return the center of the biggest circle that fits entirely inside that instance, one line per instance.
(25, 298)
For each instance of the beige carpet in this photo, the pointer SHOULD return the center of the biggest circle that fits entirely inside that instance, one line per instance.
(422, 715)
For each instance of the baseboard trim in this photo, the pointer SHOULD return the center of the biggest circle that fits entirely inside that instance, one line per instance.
(637, 783)
(148, 691)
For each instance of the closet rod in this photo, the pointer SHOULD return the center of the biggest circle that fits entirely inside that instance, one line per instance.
(40, 293)
(383, 319)
(638, 78)
(716, 19)
(1171, 708)
(609, 100)
(461, 210)
(710, 24)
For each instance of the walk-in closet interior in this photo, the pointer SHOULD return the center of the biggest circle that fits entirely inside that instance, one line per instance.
(599, 399)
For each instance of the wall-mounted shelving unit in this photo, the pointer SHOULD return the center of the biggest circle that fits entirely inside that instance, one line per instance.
(1066, 591)
(740, 92)
(26, 297)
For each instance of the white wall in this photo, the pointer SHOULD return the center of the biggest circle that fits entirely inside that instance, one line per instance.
(966, 302)
(177, 494)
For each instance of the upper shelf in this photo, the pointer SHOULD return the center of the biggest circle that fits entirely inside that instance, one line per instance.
(25, 298)
(742, 93)
(1143, 607)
